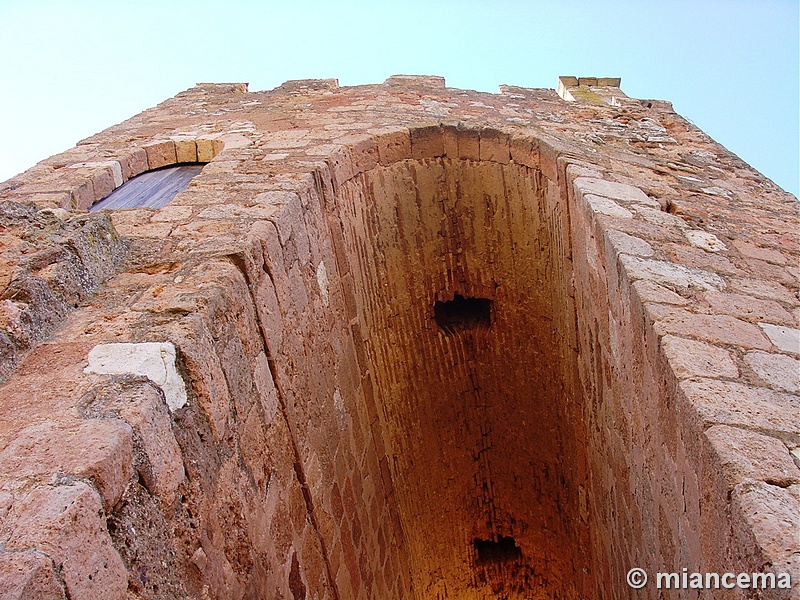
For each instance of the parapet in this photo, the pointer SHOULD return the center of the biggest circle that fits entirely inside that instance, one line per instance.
(590, 90)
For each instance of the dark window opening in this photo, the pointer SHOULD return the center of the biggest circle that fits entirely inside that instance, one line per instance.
(503, 550)
(463, 313)
(151, 189)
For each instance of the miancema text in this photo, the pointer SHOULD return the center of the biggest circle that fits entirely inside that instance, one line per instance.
(729, 581)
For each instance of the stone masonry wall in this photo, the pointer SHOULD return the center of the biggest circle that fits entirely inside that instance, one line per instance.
(632, 399)
(494, 408)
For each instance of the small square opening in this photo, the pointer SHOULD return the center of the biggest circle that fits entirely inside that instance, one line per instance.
(502, 550)
(463, 313)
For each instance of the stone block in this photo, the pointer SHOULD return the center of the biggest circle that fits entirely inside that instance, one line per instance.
(575, 169)
(144, 409)
(718, 329)
(736, 404)
(206, 150)
(100, 450)
(134, 163)
(66, 523)
(761, 288)
(670, 275)
(689, 358)
(154, 360)
(185, 150)
(766, 254)
(83, 195)
(747, 308)
(412, 81)
(172, 213)
(524, 151)
(160, 154)
(745, 454)
(549, 150)
(770, 512)
(627, 194)
(784, 338)
(103, 183)
(703, 239)
(303, 85)
(605, 206)
(340, 165)
(656, 216)
(394, 144)
(622, 243)
(650, 291)
(427, 141)
(468, 144)
(494, 146)
(778, 370)
(28, 575)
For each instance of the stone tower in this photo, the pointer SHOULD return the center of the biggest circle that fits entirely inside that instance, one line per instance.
(400, 341)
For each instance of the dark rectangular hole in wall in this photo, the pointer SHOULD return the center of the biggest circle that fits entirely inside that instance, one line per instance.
(463, 313)
(505, 549)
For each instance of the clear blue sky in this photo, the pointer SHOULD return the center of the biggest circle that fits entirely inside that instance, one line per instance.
(70, 69)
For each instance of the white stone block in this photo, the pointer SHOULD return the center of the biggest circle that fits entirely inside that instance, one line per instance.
(674, 276)
(606, 206)
(702, 239)
(154, 360)
(613, 190)
(776, 369)
(785, 338)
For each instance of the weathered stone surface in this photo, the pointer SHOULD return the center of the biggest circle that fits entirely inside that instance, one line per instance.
(697, 359)
(431, 343)
(54, 265)
(143, 408)
(612, 190)
(746, 455)
(65, 524)
(650, 291)
(28, 574)
(154, 360)
(770, 512)
(668, 274)
(732, 403)
(784, 338)
(745, 307)
(777, 370)
(721, 329)
(99, 450)
(607, 206)
(703, 239)
(628, 244)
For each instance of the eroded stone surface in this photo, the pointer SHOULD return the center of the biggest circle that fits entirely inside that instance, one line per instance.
(65, 522)
(29, 574)
(749, 455)
(697, 359)
(154, 360)
(626, 397)
(784, 338)
(778, 370)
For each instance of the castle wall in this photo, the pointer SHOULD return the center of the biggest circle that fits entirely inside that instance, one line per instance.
(620, 406)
